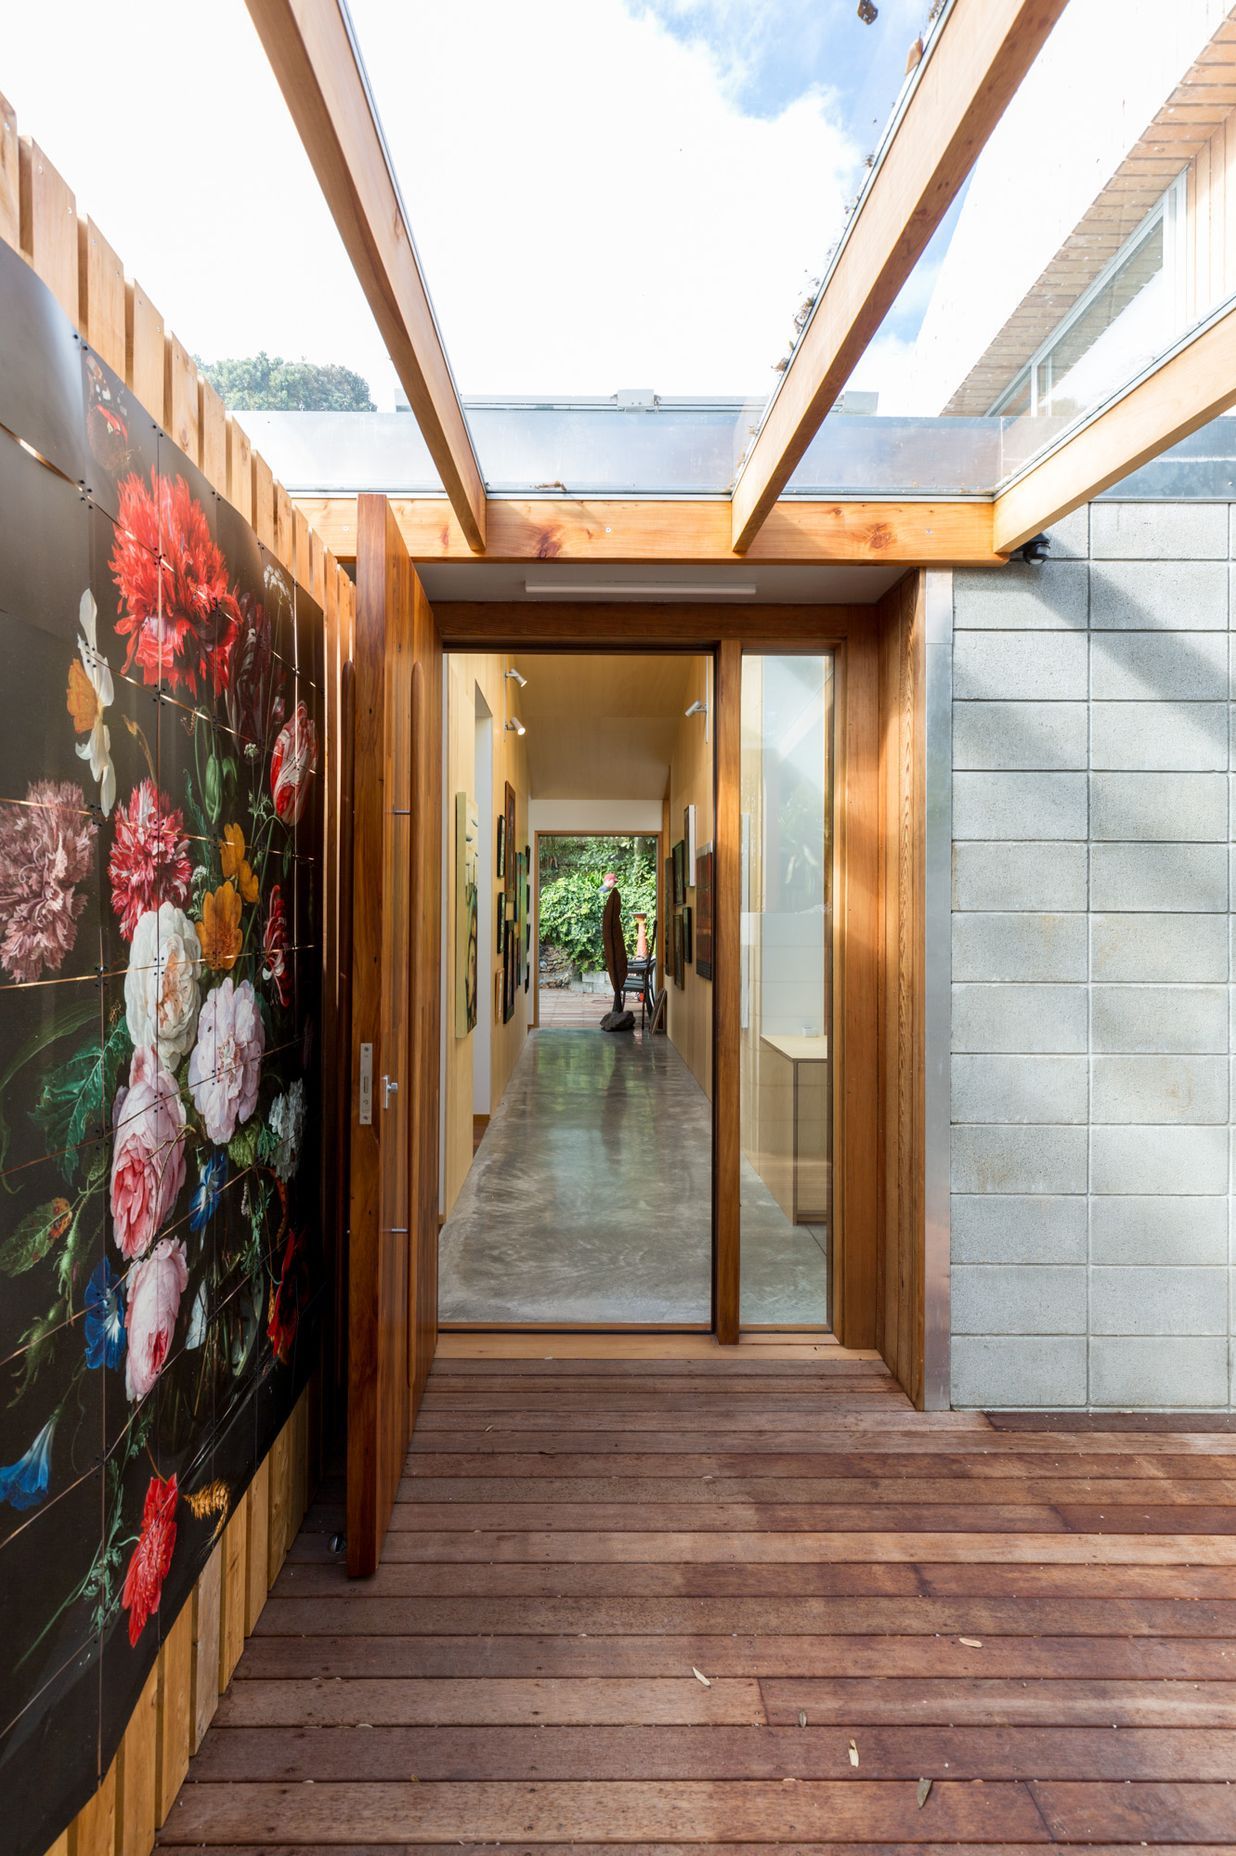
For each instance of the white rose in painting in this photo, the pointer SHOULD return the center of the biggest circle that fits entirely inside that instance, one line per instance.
(154, 1288)
(287, 1124)
(161, 993)
(226, 1064)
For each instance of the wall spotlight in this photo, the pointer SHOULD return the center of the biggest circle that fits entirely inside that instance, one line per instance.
(521, 680)
(698, 707)
(515, 726)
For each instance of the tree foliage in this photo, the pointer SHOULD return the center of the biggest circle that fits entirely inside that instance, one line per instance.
(573, 901)
(267, 383)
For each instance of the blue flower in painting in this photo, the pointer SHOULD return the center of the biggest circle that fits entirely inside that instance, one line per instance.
(104, 1317)
(23, 1484)
(206, 1195)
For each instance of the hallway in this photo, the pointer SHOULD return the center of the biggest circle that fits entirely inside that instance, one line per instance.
(589, 1200)
(634, 1602)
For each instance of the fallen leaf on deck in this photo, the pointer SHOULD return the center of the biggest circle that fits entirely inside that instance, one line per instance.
(923, 1792)
(971, 1643)
(853, 1754)
(802, 1717)
(700, 1677)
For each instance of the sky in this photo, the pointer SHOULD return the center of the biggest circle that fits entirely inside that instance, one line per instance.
(605, 194)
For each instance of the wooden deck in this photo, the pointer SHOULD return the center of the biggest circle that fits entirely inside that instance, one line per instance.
(750, 1601)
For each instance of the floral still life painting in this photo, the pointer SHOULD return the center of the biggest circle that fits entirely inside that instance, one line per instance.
(159, 998)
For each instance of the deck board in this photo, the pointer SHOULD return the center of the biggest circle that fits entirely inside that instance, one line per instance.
(1037, 1614)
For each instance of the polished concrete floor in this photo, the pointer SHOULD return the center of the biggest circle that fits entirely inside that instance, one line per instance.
(590, 1200)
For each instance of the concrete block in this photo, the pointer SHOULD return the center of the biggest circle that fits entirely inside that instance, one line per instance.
(1159, 596)
(1020, 1019)
(1158, 531)
(1021, 666)
(1018, 1298)
(1159, 737)
(1020, 876)
(1163, 1373)
(1039, 1159)
(1184, 878)
(1179, 1161)
(1019, 1372)
(1158, 947)
(1019, 1228)
(1159, 1230)
(1159, 666)
(1159, 1019)
(1154, 1089)
(1025, 946)
(1163, 807)
(1053, 737)
(1132, 1300)
(1069, 538)
(1050, 597)
(1007, 1088)
(1019, 805)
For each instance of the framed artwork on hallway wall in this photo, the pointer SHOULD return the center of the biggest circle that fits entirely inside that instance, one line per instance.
(688, 838)
(703, 912)
(680, 874)
(508, 870)
(501, 837)
(680, 956)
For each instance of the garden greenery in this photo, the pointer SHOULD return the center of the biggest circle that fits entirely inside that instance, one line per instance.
(573, 900)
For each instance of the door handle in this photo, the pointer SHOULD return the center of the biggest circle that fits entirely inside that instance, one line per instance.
(390, 1087)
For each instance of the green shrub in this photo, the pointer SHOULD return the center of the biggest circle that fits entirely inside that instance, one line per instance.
(573, 901)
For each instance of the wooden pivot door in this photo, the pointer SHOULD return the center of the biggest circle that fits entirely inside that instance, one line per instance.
(396, 980)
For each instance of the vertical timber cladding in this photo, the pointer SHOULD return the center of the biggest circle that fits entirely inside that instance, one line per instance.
(395, 983)
(161, 894)
(900, 1256)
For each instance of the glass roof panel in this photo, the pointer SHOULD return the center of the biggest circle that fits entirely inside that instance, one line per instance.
(628, 197)
(185, 156)
(1086, 244)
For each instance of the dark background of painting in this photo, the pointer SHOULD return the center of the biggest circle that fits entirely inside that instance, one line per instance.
(65, 1700)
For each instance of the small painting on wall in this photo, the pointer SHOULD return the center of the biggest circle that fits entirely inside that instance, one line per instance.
(680, 957)
(686, 936)
(500, 912)
(501, 844)
(688, 835)
(704, 865)
(680, 874)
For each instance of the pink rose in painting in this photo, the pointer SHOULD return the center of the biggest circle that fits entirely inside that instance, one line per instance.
(275, 947)
(152, 1303)
(45, 852)
(149, 862)
(292, 764)
(227, 1058)
(148, 1153)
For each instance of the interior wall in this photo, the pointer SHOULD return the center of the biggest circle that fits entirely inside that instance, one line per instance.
(466, 671)
(618, 816)
(689, 1009)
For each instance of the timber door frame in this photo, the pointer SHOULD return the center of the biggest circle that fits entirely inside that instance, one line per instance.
(853, 633)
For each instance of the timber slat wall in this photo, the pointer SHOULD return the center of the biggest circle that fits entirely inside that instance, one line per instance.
(114, 315)
(1036, 1614)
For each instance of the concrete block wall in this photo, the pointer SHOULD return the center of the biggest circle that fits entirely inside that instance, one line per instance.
(1092, 1244)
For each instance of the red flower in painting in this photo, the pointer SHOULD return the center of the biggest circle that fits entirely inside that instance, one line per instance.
(152, 1556)
(275, 947)
(178, 612)
(292, 764)
(286, 1298)
(149, 862)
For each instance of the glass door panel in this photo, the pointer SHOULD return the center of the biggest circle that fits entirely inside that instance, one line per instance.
(785, 1043)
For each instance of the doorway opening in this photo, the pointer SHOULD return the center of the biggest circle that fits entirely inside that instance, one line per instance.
(587, 1200)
